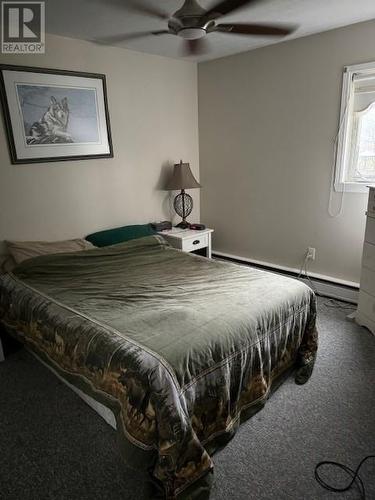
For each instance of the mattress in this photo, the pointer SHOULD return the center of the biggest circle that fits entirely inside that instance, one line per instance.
(181, 348)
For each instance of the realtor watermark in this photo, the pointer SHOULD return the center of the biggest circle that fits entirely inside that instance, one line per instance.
(22, 27)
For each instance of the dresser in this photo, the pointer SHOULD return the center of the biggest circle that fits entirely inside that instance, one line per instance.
(365, 314)
(188, 240)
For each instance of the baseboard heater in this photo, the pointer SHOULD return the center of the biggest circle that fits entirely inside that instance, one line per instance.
(324, 286)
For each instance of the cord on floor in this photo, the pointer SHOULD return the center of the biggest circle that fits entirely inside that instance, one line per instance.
(354, 474)
(332, 303)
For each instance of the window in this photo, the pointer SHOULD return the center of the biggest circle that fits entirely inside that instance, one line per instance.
(355, 158)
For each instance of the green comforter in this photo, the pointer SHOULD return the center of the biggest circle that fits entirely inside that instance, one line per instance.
(180, 347)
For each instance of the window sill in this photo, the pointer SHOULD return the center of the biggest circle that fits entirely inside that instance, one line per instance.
(353, 187)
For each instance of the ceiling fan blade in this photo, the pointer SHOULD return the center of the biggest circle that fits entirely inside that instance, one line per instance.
(142, 8)
(226, 6)
(195, 47)
(254, 29)
(130, 36)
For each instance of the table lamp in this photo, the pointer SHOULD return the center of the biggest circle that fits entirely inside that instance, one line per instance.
(182, 178)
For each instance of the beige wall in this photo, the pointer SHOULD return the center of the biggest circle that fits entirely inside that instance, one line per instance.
(154, 114)
(267, 119)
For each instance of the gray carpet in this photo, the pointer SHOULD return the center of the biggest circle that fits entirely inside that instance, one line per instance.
(52, 446)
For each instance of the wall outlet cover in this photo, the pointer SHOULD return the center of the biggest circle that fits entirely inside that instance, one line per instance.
(311, 253)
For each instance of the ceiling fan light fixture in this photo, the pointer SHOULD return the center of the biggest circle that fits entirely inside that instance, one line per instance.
(192, 23)
(192, 33)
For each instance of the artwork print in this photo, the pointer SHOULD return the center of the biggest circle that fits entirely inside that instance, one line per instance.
(55, 115)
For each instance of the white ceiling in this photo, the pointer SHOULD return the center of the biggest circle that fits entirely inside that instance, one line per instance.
(95, 19)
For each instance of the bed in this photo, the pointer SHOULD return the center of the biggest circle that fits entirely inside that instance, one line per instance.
(180, 348)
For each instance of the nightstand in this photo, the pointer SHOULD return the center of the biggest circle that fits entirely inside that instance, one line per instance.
(188, 240)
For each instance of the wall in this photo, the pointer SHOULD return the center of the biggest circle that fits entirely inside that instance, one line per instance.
(267, 120)
(154, 114)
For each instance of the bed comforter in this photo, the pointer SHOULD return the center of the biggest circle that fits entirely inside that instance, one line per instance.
(180, 347)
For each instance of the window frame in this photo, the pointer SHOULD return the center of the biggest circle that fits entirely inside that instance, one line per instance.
(343, 148)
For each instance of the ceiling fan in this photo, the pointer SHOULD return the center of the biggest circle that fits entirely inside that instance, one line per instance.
(193, 23)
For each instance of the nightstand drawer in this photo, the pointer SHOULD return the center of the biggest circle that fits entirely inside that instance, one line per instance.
(195, 243)
(189, 240)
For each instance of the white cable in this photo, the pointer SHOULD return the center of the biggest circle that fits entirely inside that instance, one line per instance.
(334, 163)
(305, 275)
(333, 175)
(309, 279)
(332, 303)
(302, 266)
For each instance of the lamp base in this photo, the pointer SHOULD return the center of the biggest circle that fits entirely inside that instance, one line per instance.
(183, 225)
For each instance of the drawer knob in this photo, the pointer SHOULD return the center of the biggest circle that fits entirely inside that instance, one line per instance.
(195, 242)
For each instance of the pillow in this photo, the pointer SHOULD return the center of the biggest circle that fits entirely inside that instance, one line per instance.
(23, 250)
(119, 235)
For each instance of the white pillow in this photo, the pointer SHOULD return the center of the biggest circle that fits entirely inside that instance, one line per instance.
(23, 250)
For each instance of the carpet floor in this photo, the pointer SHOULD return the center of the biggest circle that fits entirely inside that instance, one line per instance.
(53, 446)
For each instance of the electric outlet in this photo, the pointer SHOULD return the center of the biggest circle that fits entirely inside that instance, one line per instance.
(311, 253)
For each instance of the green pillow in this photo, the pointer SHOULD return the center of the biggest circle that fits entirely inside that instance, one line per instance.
(119, 234)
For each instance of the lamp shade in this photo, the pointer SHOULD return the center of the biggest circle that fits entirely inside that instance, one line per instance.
(182, 178)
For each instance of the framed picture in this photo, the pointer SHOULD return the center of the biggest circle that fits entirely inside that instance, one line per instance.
(54, 115)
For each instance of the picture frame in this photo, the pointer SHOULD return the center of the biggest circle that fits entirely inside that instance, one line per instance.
(54, 115)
